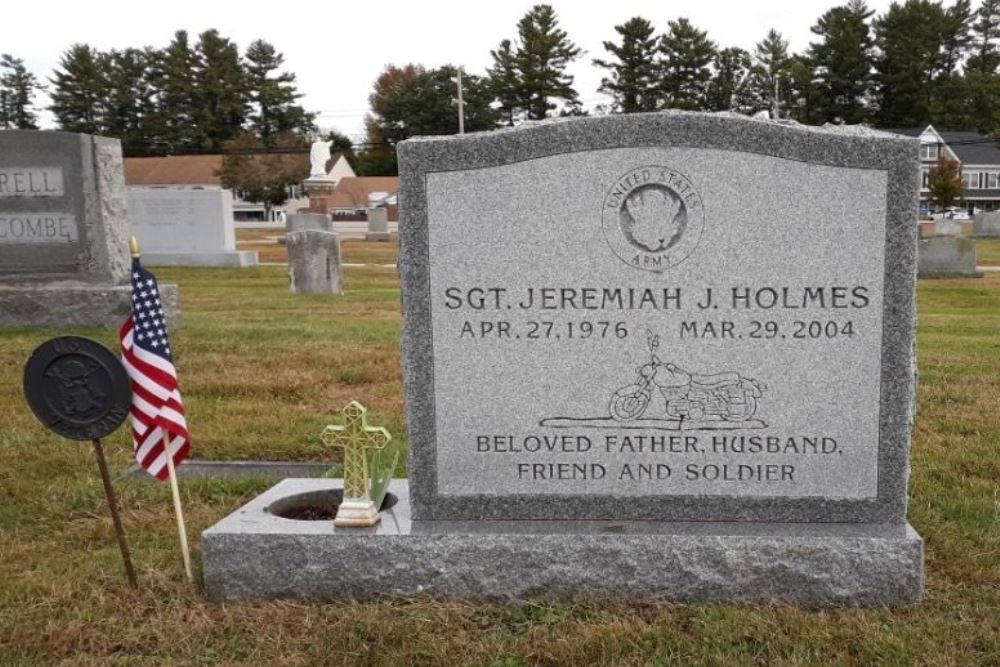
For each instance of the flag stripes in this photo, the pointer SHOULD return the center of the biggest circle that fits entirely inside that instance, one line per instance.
(156, 400)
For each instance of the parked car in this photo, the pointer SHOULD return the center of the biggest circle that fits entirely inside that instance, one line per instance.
(951, 213)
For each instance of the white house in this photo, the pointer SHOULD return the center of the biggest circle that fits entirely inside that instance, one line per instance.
(977, 155)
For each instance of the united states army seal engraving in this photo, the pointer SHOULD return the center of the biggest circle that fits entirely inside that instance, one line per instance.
(653, 218)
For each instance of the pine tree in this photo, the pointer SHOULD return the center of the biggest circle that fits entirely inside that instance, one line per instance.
(129, 102)
(173, 77)
(687, 54)
(17, 93)
(505, 81)
(727, 89)
(803, 100)
(841, 63)
(544, 52)
(919, 46)
(985, 56)
(633, 76)
(78, 90)
(221, 90)
(541, 55)
(955, 37)
(273, 95)
(770, 80)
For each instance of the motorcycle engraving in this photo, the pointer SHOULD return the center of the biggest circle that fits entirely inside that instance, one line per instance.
(682, 400)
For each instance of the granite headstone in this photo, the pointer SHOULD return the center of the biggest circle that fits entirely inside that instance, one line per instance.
(186, 227)
(657, 355)
(986, 224)
(378, 224)
(64, 231)
(314, 262)
(947, 256)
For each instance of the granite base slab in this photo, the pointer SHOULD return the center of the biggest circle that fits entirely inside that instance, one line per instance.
(236, 258)
(63, 304)
(253, 554)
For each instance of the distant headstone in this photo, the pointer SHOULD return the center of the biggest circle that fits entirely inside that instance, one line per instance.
(662, 356)
(986, 224)
(314, 262)
(947, 257)
(378, 224)
(64, 231)
(186, 227)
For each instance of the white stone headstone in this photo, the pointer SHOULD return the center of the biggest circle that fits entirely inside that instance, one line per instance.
(186, 227)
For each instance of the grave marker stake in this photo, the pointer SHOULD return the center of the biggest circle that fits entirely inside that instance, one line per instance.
(78, 389)
(109, 491)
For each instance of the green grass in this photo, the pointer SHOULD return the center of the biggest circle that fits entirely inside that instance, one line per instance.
(263, 372)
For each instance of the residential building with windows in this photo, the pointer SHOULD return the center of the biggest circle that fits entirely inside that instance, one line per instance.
(354, 195)
(978, 156)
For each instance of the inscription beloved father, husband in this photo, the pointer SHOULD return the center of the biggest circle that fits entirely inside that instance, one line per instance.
(684, 317)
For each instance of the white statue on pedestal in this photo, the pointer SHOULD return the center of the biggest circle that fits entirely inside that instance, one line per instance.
(319, 155)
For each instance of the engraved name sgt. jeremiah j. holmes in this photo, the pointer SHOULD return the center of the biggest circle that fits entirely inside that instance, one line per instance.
(742, 297)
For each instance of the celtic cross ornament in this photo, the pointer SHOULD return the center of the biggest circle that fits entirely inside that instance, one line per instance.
(356, 437)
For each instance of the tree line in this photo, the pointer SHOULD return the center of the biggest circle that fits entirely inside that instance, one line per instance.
(921, 61)
(188, 96)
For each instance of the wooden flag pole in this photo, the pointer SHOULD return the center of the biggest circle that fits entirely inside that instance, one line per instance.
(133, 246)
(178, 512)
(109, 491)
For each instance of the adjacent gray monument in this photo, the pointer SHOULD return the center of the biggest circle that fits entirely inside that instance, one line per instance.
(186, 227)
(314, 262)
(378, 224)
(947, 256)
(64, 231)
(986, 224)
(665, 356)
(300, 222)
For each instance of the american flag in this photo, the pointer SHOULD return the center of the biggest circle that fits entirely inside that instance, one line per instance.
(156, 400)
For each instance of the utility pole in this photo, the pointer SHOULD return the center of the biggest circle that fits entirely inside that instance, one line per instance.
(776, 113)
(461, 104)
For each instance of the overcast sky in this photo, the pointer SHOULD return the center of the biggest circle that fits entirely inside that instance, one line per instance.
(336, 49)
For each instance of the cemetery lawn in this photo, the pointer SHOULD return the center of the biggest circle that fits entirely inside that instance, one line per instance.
(263, 372)
(353, 250)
